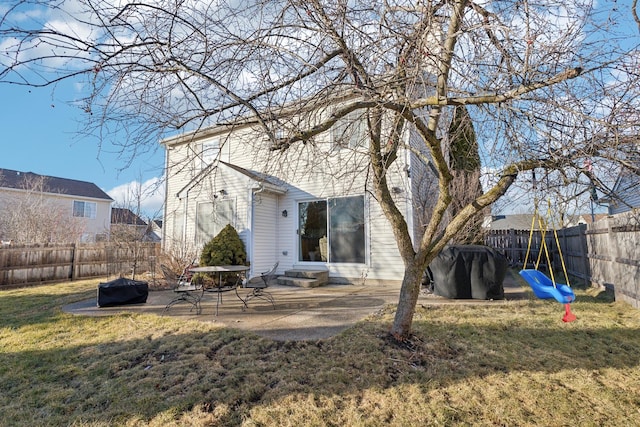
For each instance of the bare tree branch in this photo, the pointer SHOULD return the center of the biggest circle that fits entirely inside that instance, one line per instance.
(547, 85)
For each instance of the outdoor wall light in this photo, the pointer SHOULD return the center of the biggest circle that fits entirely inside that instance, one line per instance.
(285, 213)
(223, 192)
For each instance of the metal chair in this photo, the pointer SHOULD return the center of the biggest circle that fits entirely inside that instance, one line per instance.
(258, 288)
(186, 291)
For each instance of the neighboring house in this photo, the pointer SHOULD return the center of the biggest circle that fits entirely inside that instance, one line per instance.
(626, 193)
(156, 228)
(127, 226)
(510, 222)
(589, 218)
(525, 221)
(66, 209)
(311, 209)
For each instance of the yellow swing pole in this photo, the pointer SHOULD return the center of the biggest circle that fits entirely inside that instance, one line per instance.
(544, 244)
(533, 223)
(542, 225)
(564, 267)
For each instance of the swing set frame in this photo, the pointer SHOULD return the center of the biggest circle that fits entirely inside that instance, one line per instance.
(545, 287)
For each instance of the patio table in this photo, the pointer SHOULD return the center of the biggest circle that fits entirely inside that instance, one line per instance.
(220, 288)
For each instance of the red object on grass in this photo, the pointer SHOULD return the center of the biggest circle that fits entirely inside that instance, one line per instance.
(568, 315)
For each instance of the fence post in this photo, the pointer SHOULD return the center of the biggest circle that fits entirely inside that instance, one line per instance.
(584, 253)
(73, 262)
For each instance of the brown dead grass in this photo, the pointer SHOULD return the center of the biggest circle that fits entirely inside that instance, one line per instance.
(513, 364)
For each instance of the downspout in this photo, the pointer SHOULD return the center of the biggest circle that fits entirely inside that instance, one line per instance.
(260, 188)
(252, 197)
(184, 219)
(252, 213)
(166, 192)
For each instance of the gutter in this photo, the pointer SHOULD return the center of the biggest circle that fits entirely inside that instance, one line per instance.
(265, 186)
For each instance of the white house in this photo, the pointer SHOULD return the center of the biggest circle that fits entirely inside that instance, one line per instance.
(626, 191)
(310, 208)
(59, 208)
(126, 225)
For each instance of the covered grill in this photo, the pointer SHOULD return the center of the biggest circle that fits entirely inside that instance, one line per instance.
(468, 272)
(122, 291)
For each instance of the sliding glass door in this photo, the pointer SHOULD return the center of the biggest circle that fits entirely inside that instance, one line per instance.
(332, 230)
(312, 229)
(346, 230)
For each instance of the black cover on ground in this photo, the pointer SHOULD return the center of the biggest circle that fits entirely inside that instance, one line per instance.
(468, 272)
(121, 292)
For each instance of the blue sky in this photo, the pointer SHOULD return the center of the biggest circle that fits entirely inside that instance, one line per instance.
(40, 135)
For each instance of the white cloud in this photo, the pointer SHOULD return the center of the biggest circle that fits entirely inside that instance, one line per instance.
(146, 198)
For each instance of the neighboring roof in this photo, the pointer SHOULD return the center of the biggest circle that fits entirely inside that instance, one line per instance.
(588, 219)
(524, 221)
(511, 222)
(70, 187)
(125, 216)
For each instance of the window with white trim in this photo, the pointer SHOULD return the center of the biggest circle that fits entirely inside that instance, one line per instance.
(178, 226)
(209, 152)
(84, 209)
(212, 217)
(350, 131)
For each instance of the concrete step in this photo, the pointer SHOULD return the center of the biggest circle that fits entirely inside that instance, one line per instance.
(304, 278)
(322, 275)
(300, 282)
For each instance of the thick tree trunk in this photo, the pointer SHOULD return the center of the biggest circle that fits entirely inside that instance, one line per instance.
(430, 247)
(411, 283)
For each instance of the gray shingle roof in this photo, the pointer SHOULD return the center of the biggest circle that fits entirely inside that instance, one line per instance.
(514, 221)
(125, 216)
(254, 175)
(71, 187)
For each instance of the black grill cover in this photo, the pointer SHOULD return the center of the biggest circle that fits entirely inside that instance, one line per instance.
(468, 272)
(122, 291)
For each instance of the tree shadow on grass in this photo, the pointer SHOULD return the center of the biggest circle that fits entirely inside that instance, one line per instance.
(591, 295)
(225, 372)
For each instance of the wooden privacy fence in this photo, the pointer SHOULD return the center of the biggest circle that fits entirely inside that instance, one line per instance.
(614, 255)
(605, 253)
(31, 265)
(573, 245)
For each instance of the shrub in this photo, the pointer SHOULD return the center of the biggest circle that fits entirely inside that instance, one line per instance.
(224, 249)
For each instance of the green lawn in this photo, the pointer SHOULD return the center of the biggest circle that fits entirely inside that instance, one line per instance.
(512, 364)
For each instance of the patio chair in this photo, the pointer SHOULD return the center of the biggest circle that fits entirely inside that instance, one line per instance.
(185, 290)
(258, 288)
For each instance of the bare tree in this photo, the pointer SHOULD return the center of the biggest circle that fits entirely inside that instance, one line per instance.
(465, 165)
(548, 85)
(33, 214)
(130, 227)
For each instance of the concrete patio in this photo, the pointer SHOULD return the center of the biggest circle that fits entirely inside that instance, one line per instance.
(299, 314)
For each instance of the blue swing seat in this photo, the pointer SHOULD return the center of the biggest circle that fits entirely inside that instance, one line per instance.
(544, 288)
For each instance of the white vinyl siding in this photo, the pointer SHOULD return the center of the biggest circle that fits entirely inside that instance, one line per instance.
(350, 131)
(209, 152)
(627, 192)
(308, 172)
(265, 232)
